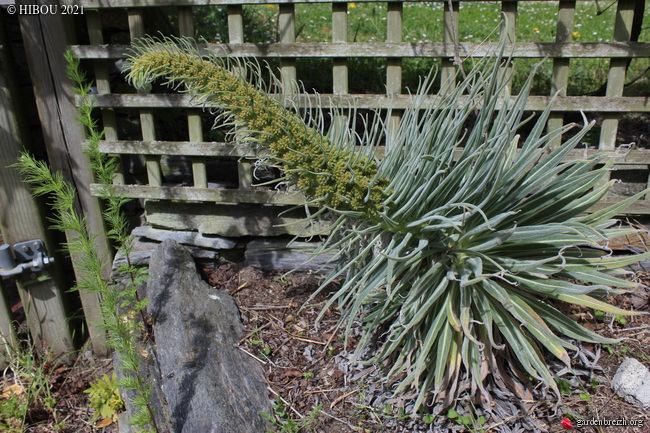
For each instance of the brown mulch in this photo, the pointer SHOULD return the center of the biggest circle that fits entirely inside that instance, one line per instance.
(71, 413)
(307, 368)
(305, 359)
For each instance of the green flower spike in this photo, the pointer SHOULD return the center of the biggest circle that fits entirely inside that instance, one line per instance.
(337, 177)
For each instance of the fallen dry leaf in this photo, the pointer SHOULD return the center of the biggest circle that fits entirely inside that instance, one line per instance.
(16, 389)
(104, 423)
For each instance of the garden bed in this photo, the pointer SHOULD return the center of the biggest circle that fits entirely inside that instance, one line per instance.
(317, 389)
(315, 386)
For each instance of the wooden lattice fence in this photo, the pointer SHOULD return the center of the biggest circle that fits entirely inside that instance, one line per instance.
(255, 213)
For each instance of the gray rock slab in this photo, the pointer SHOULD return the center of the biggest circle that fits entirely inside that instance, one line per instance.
(632, 382)
(185, 237)
(143, 249)
(210, 385)
(231, 220)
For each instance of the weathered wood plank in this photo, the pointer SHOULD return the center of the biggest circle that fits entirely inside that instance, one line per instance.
(287, 31)
(236, 196)
(63, 138)
(394, 67)
(199, 175)
(340, 35)
(509, 14)
(185, 237)
(7, 331)
(616, 75)
(154, 174)
(617, 70)
(533, 103)
(450, 41)
(284, 255)
(394, 34)
(236, 35)
(203, 194)
(236, 28)
(22, 218)
(185, 21)
(340, 71)
(153, 3)
(560, 77)
(583, 50)
(188, 148)
(10, 136)
(102, 80)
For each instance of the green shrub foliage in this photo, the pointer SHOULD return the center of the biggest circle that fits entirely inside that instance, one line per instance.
(456, 246)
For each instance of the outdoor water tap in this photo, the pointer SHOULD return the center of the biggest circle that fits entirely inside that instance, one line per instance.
(30, 256)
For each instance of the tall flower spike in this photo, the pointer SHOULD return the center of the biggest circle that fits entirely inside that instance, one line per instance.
(336, 177)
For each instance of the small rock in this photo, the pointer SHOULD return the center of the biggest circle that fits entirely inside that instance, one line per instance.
(201, 382)
(632, 382)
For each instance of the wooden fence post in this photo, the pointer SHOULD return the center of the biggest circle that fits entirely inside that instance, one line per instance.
(45, 43)
(22, 220)
(449, 38)
(560, 79)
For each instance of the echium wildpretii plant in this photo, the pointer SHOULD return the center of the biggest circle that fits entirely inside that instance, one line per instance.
(457, 244)
(121, 309)
(330, 174)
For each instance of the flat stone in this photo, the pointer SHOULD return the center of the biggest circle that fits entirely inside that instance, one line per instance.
(232, 220)
(142, 250)
(185, 237)
(210, 385)
(632, 382)
(201, 382)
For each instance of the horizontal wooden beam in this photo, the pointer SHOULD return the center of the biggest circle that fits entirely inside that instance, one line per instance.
(639, 207)
(153, 3)
(533, 103)
(183, 148)
(220, 149)
(581, 50)
(219, 195)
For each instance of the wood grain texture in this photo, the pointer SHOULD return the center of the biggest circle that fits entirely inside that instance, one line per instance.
(63, 138)
(583, 50)
(617, 104)
(153, 3)
(560, 76)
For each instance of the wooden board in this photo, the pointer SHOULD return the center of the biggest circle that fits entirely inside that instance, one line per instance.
(144, 3)
(285, 255)
(534, 50)
(23, 219)
(45, 43)
(533, 103)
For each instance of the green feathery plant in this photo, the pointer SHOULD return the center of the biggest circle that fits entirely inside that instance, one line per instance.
(120, 306)
(457, 245)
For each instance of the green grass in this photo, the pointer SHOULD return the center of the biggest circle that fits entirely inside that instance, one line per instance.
(422, 22)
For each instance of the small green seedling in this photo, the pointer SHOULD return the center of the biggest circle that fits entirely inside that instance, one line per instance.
(105, 398)
(564, 386)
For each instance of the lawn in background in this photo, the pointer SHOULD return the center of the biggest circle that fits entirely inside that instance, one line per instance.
(422, 22)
